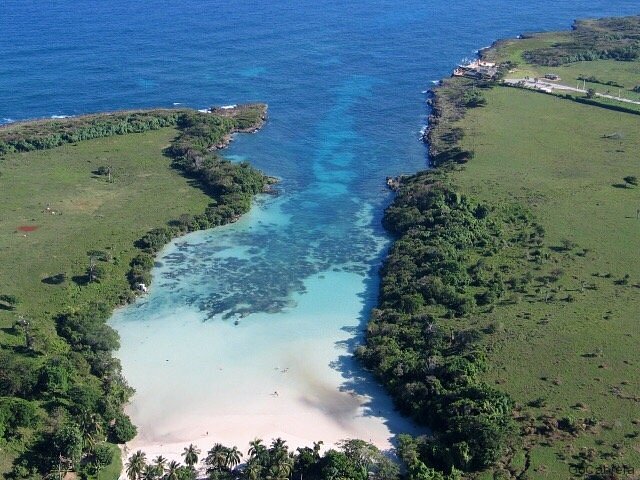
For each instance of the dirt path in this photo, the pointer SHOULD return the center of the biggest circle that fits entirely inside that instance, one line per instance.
(550, 87)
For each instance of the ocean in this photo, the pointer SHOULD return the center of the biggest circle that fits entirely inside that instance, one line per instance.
(249, 328)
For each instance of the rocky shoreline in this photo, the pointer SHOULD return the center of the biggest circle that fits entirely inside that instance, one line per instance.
(236, 111)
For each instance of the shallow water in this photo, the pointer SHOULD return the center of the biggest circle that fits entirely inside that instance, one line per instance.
(299, 272)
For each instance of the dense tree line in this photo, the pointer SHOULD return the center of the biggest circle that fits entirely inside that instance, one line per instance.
(352, 459)
(49, 134)
(444, 267)
(553, 58)
(604, 39)
(231, 186)
(439, 270)
(65, 407)
(454, 97)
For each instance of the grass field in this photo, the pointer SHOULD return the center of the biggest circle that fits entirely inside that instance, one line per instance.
(512, 49)
(577, 351)
(90, 214)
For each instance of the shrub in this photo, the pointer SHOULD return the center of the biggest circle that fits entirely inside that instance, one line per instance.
(568, 424)
(8, 302)
(122, 430)
(17, 413)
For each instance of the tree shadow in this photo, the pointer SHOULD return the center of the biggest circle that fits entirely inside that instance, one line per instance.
(23, 350)
(559, 249)
(358, 382)
(619, 185)
(80, 280)
(58, 279)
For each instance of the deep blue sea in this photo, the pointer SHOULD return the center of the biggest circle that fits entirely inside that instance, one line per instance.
(345, 85)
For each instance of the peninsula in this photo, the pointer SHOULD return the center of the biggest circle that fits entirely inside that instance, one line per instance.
(86, 204)
(508, 307)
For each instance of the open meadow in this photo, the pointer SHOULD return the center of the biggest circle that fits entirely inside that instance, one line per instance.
(567, 344)
(508, 319)
(571, 56)
(75, 211)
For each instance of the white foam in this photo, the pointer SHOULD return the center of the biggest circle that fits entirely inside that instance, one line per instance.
(61, 116)
(228, 107)
(177, 103)
(204, 110)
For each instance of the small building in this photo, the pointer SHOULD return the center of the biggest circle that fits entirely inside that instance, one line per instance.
(477, 69)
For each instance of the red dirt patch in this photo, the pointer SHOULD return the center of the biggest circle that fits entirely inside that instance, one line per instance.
(27, 228)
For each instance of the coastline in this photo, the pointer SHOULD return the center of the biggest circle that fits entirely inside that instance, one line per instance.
(530, 305)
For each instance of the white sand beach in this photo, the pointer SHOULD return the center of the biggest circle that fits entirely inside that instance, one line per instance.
(281, 375)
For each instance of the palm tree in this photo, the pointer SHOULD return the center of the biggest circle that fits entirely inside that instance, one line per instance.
(60, 470)
(253, 470)
(216, 458)
(281, 463)
(279, 444)
(160, 463)
(278, 451)
(136, 465)
(151, 472)
(256, 448)
(91, 428)
(233, 457)
(92, 270)
(281, 470)
(173, 471)
(190, 455)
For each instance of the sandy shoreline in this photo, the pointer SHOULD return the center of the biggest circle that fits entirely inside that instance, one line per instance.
(299, 425)
(218, 383)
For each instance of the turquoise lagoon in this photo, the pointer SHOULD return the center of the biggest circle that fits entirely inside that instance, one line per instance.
(238, 340)
(249, 328)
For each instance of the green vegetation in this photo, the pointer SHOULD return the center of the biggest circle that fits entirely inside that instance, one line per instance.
(594, 79)
(443, 268)
(611, 38)
(80, 224)
(354, 460)
(45, 134)
(507, 319)
(572, 341)
(507, 316)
